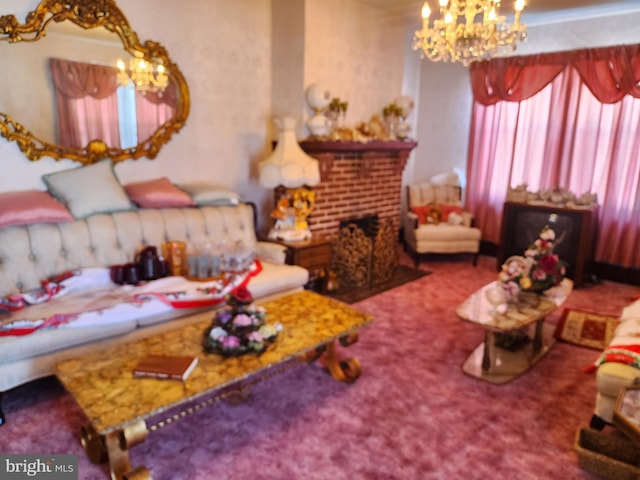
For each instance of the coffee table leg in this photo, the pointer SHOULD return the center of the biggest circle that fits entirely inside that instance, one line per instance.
(348, 370)
(488, 345)
(342, 370)
(114, 448)
(537, 338)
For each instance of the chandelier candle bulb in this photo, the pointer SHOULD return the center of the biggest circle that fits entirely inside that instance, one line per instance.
(519, 8)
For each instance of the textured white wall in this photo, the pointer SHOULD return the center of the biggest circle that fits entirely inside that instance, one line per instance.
(356, 53)
(444, 113)
(287, 62)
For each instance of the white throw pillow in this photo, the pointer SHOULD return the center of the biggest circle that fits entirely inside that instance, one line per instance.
(89, 190)
(204, 193)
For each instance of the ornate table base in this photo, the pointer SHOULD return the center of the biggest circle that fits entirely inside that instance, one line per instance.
(119, 405)
(500, 361)
(114, 446)
(498, 365)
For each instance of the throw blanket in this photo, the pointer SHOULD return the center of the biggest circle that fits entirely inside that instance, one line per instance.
(88, 297)
(627, 354)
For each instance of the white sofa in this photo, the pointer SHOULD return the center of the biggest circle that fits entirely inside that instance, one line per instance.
(447, 232)
(613, 375)
(31, 253)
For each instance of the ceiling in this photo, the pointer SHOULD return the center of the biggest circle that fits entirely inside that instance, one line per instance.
(536, 11)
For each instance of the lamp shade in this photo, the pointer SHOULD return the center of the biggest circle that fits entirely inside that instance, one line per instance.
(288, 164)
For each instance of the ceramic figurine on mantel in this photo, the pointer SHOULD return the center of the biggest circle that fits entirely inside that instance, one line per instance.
(406, 104)
(395, 117)
(319, 99)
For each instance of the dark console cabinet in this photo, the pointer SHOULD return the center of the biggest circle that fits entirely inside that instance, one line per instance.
(575, 229)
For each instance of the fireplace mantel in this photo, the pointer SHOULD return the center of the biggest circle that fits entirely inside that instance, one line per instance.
(326, 152)
(357, 179)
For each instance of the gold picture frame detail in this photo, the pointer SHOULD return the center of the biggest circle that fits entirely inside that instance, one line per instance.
(90, 14)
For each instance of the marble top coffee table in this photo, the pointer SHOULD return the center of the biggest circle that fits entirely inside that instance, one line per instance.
(118, 405)
(497, 360)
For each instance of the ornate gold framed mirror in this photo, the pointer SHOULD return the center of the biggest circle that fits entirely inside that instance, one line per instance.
(66, 43)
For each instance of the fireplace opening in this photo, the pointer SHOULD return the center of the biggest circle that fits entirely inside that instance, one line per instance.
(365, 253)
(369, 225)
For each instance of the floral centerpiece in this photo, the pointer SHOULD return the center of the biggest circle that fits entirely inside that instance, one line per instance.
(240, 327)
(538, 270)
(521, 280)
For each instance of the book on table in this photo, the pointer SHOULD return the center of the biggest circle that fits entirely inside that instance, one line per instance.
(177, 367)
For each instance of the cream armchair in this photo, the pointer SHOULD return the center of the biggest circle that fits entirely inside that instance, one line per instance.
(436, 223)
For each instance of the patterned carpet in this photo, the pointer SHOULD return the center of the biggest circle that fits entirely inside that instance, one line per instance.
(412, 415)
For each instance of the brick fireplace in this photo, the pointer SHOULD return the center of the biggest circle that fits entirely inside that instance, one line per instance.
(357, 206)
(357, 180)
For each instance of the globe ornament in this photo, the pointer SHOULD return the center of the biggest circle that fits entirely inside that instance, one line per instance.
(318, 99)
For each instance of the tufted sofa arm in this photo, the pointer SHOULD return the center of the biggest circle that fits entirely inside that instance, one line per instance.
(271, 252)
(31, 253)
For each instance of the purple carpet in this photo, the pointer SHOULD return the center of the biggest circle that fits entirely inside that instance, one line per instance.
(412, 415)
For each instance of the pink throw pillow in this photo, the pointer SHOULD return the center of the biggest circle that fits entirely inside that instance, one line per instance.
(25, 207)
(422, 212)
(429, 214)
(158, 193)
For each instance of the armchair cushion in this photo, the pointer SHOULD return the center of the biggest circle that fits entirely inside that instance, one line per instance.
(445, 232)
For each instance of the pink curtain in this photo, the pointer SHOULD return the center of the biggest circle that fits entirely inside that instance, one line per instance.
(87, 103)
(570, 132)
(610, 73)
(153, 109)
(514, 78)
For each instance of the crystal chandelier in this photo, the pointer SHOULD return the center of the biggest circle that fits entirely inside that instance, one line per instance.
(468, 31)
(142, 74)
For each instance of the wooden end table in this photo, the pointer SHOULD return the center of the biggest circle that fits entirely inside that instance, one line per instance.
(314, 255)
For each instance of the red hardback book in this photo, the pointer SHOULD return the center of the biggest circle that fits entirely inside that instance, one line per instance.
(176, 367)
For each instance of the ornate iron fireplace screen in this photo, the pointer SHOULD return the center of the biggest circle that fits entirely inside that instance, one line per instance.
(365, 253)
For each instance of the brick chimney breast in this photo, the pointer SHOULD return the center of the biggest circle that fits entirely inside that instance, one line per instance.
(357, 180)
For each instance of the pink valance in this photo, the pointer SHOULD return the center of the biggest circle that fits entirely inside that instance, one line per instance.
(78, 79)
(610, 73)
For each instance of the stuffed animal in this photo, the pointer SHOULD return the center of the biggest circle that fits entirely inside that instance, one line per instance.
(434, 215)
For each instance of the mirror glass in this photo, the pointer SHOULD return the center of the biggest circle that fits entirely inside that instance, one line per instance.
(30, 102)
